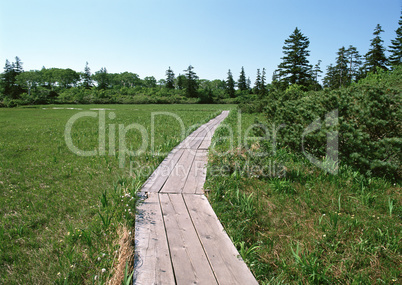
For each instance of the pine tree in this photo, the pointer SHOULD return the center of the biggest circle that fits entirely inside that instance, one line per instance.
(248, 83)
(230, 85)
(102, 78)
(169, 79)
(242, 83)
(342, 67)
(87, 77)
(396, 47)
(375, 57)
(9, 78)
(191, 82)
(257, 84)
(180, 82)
(316, 73)
(295, 67)
(263, 89)
(355, 63)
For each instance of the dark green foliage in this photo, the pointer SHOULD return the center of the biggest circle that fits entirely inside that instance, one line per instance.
(86, 77)
(230, 85)
(170, 79)
(375, 57)
(242, 82)
(396, 46)
(369, 122)
(257, 84)
(10, 87)
(102, 78)
(295, 67)
(191, 83)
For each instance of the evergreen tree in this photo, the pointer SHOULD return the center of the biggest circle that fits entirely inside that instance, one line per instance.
(342, 67)
(242, 83)
(87, 77)
(181, 82)
(257, 84)
(396, 47)
(295, 67)
(248, 83)
(316, 73)
(169, 79)
(263, 89)
(191, 82)
(9, 78)
(230, 85)
(102, 78)
(375, 57)
(355, 63)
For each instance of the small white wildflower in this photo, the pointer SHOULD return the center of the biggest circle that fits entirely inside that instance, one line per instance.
(129, 233)
(324, 235)
(96, 277)
(103, 270)
(103, 255)
(99, 259)
(58, 273)
(323, 214)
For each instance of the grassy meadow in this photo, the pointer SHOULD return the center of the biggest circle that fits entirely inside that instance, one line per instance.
(295, 224)
(62, 215)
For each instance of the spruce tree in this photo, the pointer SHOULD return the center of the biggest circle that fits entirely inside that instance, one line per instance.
(342, 67)
(102, 78)
(295, 67)
(257, 84)
(263, 90)
(242, 83)
(169, 79)
(230, 85)
(87, 77)
(354, 65)
(396, 47)
(375, 57)
(9, 78)
(191, 82)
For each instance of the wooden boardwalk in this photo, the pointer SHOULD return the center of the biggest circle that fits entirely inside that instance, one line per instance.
(178, 237)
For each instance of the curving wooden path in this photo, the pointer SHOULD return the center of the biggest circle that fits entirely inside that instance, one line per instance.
(178, 237)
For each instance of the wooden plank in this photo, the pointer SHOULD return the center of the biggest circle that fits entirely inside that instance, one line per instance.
(188, 258)
(152, 264)
(178, 176)
(226, 262)
(162, 173)
(198, 172)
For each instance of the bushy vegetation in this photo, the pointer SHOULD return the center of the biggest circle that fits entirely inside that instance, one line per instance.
(294, 223)
(369, 121)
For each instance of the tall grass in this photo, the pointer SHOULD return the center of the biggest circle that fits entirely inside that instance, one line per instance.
(59, 212)
(310, 227)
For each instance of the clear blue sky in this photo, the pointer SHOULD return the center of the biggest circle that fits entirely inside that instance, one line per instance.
(146, 37)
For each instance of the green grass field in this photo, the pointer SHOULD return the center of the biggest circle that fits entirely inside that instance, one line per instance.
(60, 213)
(305, 227)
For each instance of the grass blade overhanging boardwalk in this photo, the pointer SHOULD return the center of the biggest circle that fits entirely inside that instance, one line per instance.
(178, 237)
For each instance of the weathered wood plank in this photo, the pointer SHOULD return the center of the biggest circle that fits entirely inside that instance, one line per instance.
(198, 172)
(226, 262)
(188, 258)
(152, 257)
(162, 172)
(178, 176)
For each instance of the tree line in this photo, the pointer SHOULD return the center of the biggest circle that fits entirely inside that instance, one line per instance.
(68, 86)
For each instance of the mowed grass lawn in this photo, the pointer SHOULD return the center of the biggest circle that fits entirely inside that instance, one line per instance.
(61, 213)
